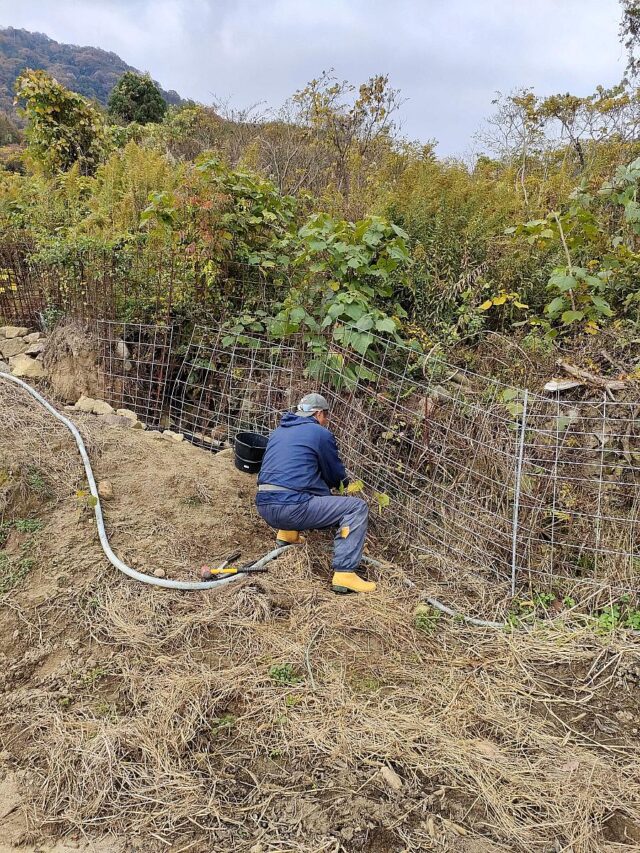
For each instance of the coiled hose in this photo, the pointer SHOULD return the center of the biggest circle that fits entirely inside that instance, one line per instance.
(104, 541)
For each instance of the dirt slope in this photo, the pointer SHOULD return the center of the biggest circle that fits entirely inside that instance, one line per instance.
(273, 716)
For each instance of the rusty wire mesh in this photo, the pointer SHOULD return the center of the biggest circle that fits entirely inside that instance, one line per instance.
(129, 282)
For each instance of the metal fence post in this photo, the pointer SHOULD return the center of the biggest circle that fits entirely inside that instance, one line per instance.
(516, 503)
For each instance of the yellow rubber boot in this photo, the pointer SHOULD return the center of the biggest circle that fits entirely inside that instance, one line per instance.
(288, 537)
(344, 582)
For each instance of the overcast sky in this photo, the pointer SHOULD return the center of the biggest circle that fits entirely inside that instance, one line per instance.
(448, 57)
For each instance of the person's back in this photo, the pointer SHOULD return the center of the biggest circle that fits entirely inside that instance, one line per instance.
(301, 466)
(302, 456)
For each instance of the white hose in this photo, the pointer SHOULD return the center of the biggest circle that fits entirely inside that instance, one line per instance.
(115, 561)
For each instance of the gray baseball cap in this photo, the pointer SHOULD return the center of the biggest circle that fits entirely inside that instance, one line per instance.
(312, 403)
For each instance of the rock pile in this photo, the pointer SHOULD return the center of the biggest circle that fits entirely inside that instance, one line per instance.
(21, 352)
(121, 418)
(110, 416)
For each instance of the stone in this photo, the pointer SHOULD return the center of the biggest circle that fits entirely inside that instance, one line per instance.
(23, 365)
(102, 408)
(4, 367)
(105, 489)
(15, 346)
(122, 350)
(169, 435)
(35, 349)
(391, 778)
(127, 413)
(116, 421)
(159, 573)
(85, 404)
(138, 425)
(32, 337)
(13, 332)
(154, 433)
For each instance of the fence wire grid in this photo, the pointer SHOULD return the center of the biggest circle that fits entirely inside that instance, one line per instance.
(135, 363)
(480, 477)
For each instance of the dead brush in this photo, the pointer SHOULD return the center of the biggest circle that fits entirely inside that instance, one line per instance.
(479, 726)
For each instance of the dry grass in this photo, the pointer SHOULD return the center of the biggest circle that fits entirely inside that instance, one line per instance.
(490, 732)
(264, 713)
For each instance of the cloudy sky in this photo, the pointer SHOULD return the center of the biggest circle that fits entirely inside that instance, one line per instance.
(448, 57)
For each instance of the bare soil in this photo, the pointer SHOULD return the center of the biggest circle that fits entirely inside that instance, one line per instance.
(271, 715)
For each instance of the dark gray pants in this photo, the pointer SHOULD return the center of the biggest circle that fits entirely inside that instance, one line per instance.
(349, 515)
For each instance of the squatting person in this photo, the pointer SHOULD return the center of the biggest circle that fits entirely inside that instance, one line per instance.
(301, 466)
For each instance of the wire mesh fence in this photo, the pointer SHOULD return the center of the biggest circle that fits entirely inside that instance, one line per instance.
(136, 282)
(517, 487)
(580, 495)
(135, 364)
(226, 384)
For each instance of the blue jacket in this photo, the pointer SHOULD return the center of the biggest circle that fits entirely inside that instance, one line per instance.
(302, 456)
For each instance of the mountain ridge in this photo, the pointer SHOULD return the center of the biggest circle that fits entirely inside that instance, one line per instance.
(91, 71)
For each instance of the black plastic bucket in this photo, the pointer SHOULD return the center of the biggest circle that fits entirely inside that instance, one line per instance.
(249, 450)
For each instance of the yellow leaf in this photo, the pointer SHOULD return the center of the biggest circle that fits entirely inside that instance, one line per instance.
(486, 305)
(519, 304)
(591, 328)
(500, 300)
(355, 487)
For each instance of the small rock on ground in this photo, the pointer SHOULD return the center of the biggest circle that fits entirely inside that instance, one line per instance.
(32, 337)
(24, 365)
(169, 435)
(4, 367)
(105, 489)
(35, 348)
(391, 778)
(127, 413)
(116, 421)
(159, 573)
(85, 404)
(102, 408)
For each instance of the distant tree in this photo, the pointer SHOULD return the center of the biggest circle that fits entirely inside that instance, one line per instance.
(347, 123)
(63, 127)
(135, 97)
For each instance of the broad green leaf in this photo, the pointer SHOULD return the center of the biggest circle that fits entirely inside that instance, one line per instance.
(563, 282)
(569, 317)
(386, 324)
(556, 306)
(602, 305)
(364, 323)
(509, 394)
